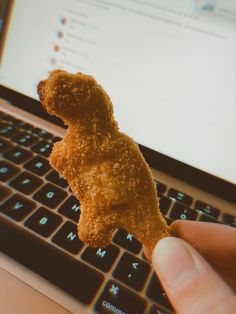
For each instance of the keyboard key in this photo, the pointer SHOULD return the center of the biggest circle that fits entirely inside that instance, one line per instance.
(2, 115)
(156, 292)
(43, 222)
(7, 130)
(9, 119)
(26, 183)
(42, 133)
(56, 139)
(164, 204)
(49, 195)
(4, 192)
(179, 211)
(127, 241)
(207, 209)
(180, 196)
(229, 220)
(161, 187)
(132, 271)
(17, 155)
(102, 258)
(55, 178)
(71, 208)
(156, 309)
(68, 239)
(169, 221)
(43, 148)
(7, 171)
(4, 145)
(206, 218)
(23, 125)
(17, 207)
(77, 279)
(38, 165)
(117, 299)
(25, 139)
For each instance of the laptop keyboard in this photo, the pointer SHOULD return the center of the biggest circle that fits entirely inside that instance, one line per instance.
(38, 229)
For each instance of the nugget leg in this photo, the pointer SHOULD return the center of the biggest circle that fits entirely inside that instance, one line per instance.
(94, 231)
(149, 230)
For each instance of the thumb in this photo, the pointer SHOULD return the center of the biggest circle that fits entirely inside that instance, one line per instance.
(189, 281)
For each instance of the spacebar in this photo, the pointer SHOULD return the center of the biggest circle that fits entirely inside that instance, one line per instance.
(79, 280)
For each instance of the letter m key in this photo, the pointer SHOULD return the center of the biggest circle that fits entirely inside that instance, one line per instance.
(101, 253)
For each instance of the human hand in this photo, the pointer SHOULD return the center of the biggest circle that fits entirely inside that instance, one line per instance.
(215, 242)
(189, 281)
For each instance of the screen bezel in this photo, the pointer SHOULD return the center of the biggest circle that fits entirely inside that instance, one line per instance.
(166, 164)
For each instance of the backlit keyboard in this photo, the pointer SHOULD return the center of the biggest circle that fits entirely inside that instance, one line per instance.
(38, 229)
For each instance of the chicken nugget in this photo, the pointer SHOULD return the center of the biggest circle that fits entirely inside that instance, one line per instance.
(103, 166)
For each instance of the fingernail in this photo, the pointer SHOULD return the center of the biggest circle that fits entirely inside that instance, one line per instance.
(174, 262)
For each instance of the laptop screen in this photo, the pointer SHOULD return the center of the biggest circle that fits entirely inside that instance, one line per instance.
(168, 66)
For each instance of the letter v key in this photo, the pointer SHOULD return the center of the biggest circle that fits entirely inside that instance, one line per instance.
(17, 205)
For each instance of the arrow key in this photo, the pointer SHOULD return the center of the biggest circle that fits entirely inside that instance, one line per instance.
(157, 294)
(17, 207)
(132, 271)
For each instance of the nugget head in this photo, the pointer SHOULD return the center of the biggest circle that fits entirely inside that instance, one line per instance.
(73, 97)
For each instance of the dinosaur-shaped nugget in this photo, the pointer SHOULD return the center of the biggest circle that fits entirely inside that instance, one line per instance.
(103, 166)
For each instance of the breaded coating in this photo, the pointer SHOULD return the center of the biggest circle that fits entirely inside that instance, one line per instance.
(104, 167)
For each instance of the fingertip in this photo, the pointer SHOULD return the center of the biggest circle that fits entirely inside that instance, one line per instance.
(188, 279)
(173, 250)
(162, 243)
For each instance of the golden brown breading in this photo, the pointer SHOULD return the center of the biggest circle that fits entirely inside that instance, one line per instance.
(103, 166)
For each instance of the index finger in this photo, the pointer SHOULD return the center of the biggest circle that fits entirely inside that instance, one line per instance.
(216, 242)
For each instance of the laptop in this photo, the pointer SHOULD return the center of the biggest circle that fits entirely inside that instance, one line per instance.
(170, 70)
